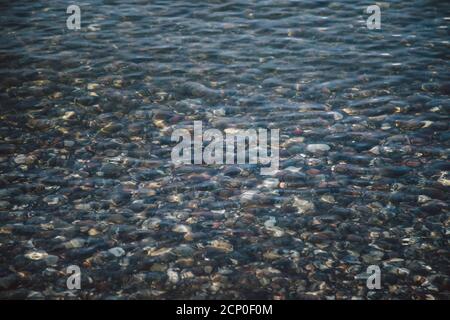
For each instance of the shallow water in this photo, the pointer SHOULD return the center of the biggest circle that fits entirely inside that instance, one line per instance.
(86, 121)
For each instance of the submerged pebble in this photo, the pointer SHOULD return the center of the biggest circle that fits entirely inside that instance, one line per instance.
(117, 252)
(314, 148)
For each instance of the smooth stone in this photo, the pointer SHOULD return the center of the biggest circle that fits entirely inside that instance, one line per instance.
(149, 174)
(9, 281)
(51, 260)
(7, 149)
(69, 143)
(117, 251)
(373, 257)
(36, 255)
(5, 205)
(120, 198)
(173, 276)
(110, 170)
(444, 181)
(75, 243)
(222, 245)
(24, 159)
(315, 148)
(69, 115)
(423, 198)
(270, 222)
(271, 183)
(303, 206)
(52, 200)
(159, 252)
(184, 250)
(181, 228)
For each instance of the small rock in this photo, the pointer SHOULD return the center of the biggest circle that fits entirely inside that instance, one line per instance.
(36, 255)
(271, 183)
(159, 252)
(303, 206)
(8, 281)
(270, 222)
(423, 199)
(120, 198)
(69, 143)
(111, 128)
(51, 260)
(110, 170)
(117, 251)
(276, 231)
(7, 148)
(373, 257)
(5, 205)
(69, 115)
(444, 180)
(318, 148)
(175, 198)
(375, 150)
(75, 243)
(93, 232)
(24, 159)
(92, 86)
(34, 295)
(222, 245)
(327, 198)
(173, 276)
(83, 206)
(52, 200)
(181, 228)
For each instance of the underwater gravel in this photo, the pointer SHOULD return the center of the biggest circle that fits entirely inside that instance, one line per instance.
(85, 172)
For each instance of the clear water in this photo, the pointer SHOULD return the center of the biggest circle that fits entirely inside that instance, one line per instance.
(86, 120)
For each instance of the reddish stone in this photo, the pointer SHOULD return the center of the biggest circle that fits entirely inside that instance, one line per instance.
(313, 172)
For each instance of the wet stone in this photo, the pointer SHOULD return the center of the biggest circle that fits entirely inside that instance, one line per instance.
(25, 159)
(110, 170)
(9, 282)
(7, 149)
(36, 255)
(222, 245)
(318, 148)
(120, 198)
(117, 252)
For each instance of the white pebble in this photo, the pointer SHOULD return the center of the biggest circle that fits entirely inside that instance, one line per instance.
(321, 147)
(117, 251)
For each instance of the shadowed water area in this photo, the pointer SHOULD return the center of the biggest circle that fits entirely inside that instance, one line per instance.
(86, 119)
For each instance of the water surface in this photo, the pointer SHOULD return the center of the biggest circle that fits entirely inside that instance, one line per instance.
(86, 177)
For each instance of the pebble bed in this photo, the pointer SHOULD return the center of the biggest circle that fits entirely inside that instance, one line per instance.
(86, 176)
